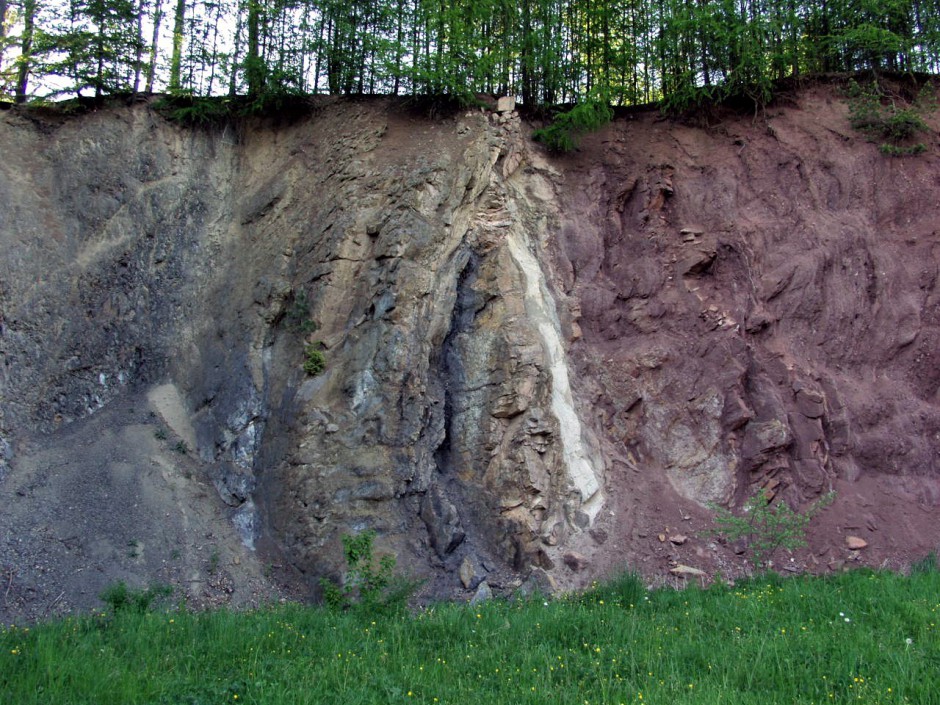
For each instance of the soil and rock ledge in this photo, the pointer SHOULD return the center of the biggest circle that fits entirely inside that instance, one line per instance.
(539, 369)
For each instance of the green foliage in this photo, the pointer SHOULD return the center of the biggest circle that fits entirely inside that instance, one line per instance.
(194, 111)
(760, 641)
(297, 316)
(544, 52)
(889, 118)
(893, 150)
(926, 565)
(369, 585)
(567, 128)
(624, 590)
(181, 447)
(314, 360)
(767, 526)
(122, 599)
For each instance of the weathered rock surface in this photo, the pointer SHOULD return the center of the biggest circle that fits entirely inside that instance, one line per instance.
(522, 353)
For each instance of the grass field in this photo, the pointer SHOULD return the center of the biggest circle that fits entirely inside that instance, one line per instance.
(859, 637)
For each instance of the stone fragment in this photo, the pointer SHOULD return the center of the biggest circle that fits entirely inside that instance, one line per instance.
(678, 539)
(763, 439)
(757, 320)
(538, 583)
(483, 594)
(468, 573)
(662, 538)
(686, 571)
(810, 403)
(855, 543)
(698, 262)
(575, 561)
(505, 104)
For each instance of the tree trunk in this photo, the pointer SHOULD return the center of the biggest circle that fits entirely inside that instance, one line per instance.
(3, 16)
(254, 69)
(26, 50)
(139, 48)
(236, 51)
(152, 68)
(176, 60)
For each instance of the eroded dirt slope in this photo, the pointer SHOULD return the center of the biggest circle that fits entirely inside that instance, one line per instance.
(759, 309)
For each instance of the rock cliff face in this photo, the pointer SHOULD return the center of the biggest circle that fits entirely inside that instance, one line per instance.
(534, 365)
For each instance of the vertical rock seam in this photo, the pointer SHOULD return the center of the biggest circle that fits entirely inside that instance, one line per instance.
(540, 308)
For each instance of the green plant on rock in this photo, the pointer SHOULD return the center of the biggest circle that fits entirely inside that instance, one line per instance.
(297, 315)
(122, 599)
(567, 128)
(766, 526)
(194, 111)
(369, 584)
(888, 118)
(314, 360)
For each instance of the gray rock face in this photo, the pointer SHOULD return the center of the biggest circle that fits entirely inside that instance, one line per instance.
(203, 264)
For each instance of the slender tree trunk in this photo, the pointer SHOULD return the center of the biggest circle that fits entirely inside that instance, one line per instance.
(176, 60)
(319, 58)
(26, 50)
(236, 51)
(215, 48)
(399, 39)
(254, 68)
(139, 48)
(99, 56)
(3, 28)
(152, 67)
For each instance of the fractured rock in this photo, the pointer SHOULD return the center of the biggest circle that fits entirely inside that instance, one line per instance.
(468, 573)
(483, 594)
(440, 516)
(575, 561)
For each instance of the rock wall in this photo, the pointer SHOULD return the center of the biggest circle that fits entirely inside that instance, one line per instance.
(532, 363)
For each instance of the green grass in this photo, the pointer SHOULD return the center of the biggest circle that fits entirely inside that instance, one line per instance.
(861, 637)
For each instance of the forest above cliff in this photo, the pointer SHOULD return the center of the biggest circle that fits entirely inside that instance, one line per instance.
(543, 52)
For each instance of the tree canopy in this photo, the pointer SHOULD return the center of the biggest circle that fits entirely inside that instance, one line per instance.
(545, 52)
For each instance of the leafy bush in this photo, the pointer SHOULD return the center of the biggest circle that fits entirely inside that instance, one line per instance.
(121, 598)
(314, 360)
(368, 585)
(887, 118)
(901, 124)
(567, 128)
(767, 527)
(298, 314)
(893, 150)
(194, 111)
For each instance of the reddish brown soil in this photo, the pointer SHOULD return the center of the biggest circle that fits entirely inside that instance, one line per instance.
(803, 290)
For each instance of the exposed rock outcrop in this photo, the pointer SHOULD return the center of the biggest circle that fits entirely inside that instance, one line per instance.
(532, 363)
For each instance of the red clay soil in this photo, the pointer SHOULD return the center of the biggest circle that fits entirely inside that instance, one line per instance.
(762, 292)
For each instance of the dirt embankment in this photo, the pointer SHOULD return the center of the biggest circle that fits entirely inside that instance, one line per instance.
(759, 309)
